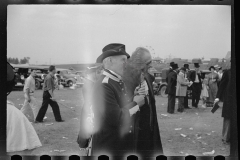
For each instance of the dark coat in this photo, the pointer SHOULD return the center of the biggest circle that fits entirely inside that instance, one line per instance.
(171, 83)
(167, 72)
(113, 134)
(147, 132)
(192, 77)
(225, 94)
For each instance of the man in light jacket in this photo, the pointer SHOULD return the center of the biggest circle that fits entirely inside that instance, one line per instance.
(181, 90)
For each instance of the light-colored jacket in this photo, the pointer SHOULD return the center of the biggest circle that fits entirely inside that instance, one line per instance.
(181, 85)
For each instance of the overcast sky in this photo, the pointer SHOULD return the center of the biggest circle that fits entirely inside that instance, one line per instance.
(77, 33)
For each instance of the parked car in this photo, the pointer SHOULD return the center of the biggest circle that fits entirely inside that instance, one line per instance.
(160, 85)
(67, 78)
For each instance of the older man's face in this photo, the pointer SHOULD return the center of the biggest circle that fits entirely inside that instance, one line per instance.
(118, 63)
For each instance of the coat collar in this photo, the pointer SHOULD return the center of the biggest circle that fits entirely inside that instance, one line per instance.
(112, 75)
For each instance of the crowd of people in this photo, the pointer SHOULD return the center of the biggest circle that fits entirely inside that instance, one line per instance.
(119, 115)
(201, 85)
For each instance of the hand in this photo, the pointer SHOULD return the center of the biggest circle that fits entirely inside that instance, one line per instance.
(53, 99)
(139, 100)
(216, 100)
(207, 88)
(142, 91)
(29, 100)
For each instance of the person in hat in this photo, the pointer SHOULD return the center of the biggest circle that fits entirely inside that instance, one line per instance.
(112, 107)
(49, 98)
(212, 85)
(171, 88)
(224, 94)
(168, 71)
(181, 91)
(147, 138)
(186, 76)
(195, 77)
(86, 115)
(21, 135)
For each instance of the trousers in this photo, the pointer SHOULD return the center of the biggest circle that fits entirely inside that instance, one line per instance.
(30, 106)
(181, 103)
(226, 130)
(171, 103)
(196, 92)
(44, 107)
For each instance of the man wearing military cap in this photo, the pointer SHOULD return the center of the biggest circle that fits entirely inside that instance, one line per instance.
(112, 108)
(195, 77)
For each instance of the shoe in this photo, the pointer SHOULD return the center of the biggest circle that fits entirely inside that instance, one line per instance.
(38, 121)
(203, 106)
(60, 121)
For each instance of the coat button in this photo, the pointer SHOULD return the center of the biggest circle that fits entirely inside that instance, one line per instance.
(130, 131)
(131, 126)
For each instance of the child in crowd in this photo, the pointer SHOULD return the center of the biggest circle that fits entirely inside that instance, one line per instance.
(204, 92)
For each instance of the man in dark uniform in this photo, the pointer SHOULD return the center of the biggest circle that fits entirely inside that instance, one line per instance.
(195, 77)
(112, 108)
(49, 98)
(147, 134)
(171, 88)
(186, 77)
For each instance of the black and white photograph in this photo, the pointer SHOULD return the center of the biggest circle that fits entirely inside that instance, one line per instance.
(120, 80)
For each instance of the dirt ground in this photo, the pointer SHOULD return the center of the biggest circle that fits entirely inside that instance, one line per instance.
(190, 133)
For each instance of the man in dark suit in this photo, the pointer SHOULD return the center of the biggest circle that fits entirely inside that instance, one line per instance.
(224, 94)
(171, 88)
(195, 77)
(186, 76)
(112, 107)
(170, 70)
(147, 134)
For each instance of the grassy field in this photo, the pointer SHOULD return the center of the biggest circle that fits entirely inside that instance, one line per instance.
(190, 133)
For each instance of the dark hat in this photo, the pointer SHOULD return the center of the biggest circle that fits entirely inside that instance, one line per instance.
(186, 66)
(113, 49)
(196, 65)
(183, 68)
(172, 63)
(211, 68)
(175, 66)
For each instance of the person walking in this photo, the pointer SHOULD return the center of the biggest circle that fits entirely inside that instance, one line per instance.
(112, 107)
(181, 90)
(30, 101)
(195, 77)
(171, 88)
(49, 98)
(212, 84)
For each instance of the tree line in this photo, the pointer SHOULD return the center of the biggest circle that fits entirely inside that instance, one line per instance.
(25, 60)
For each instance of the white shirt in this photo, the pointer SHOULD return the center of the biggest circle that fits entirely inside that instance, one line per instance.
(196, 79)
(29, 84)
